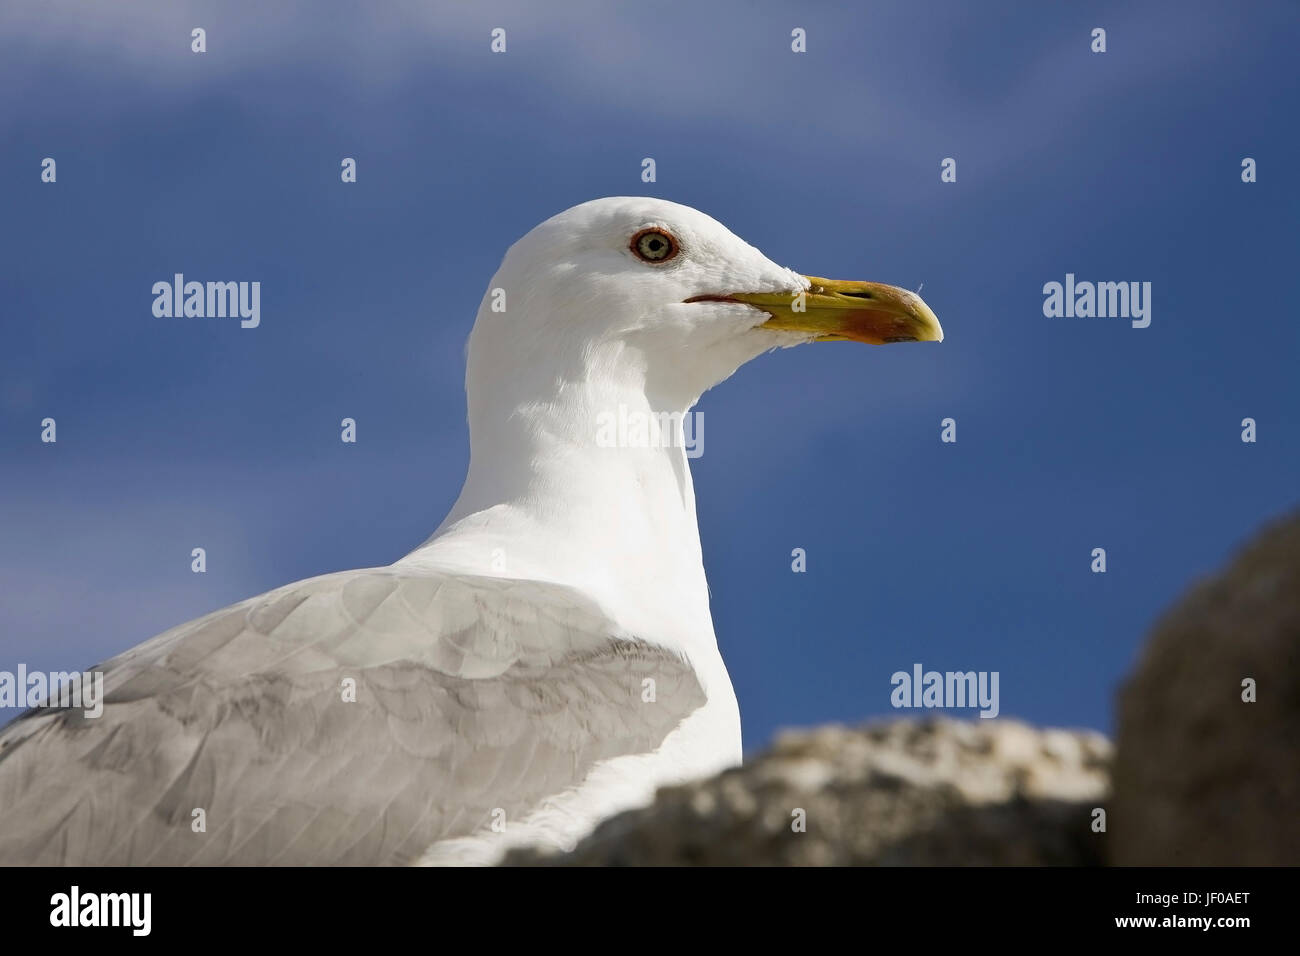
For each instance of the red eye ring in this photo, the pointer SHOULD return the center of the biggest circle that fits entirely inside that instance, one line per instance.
(654, 245)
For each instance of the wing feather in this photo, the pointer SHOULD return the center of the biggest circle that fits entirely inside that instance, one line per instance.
(471, 694)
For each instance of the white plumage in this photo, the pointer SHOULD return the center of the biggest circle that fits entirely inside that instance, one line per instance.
(546, 658)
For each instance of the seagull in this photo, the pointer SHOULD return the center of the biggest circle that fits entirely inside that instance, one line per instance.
(544, 660)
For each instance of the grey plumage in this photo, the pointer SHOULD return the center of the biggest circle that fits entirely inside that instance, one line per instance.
(472, 693)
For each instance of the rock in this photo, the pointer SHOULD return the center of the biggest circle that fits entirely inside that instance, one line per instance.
(936, 792)
(1201, 777)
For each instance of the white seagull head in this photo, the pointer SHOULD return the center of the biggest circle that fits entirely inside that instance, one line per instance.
(646, 289)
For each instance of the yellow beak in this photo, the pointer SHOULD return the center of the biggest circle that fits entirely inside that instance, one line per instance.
(837, 310)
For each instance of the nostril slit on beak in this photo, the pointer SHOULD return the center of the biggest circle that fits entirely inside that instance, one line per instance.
(858, 295)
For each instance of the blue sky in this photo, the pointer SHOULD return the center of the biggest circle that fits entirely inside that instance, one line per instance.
(1072, 433)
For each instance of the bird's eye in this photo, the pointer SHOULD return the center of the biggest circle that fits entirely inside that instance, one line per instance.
(654, 245)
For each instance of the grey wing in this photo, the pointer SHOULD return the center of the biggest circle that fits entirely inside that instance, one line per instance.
(470, 694)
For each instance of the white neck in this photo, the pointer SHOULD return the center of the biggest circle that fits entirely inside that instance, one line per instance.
(545, 498)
